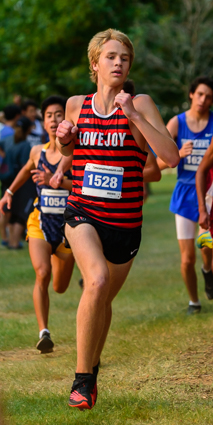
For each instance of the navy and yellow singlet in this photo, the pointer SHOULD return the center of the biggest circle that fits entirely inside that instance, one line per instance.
(47, 218)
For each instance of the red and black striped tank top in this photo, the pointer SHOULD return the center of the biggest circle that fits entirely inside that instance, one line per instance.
(108, 141)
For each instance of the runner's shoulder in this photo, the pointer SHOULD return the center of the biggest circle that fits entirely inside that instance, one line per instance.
(75, 102)
(172, 126)
(142, 99)
(35, 151)
(144, 104)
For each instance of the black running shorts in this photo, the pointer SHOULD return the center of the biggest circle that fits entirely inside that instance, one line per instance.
(119, 245)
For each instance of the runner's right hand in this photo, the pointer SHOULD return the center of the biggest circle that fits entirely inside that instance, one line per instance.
(66, 132)
(186, 149)
(204, 220)
(7, 199)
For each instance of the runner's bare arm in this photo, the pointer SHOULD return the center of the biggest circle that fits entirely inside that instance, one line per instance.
(172, 127)
(64, 165)
(151, 172)
(67, 129)
(60, 180)
(66, 184)
(187, 147)
(143, 113)
(201, 175)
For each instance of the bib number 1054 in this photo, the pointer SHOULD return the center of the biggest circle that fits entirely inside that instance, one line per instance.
(53, 201)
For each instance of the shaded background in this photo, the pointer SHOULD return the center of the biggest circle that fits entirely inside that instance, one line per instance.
(43, 46)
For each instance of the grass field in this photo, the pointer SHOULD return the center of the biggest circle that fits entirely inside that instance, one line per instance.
(157, 362)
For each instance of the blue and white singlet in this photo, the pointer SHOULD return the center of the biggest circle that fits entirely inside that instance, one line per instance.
(184, 198)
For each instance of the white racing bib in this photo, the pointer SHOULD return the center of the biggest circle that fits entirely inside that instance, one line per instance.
(53, 201)
(191, 162)
(104, 181)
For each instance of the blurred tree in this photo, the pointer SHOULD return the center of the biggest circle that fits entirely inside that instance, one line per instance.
(43, 44)
(163, 6)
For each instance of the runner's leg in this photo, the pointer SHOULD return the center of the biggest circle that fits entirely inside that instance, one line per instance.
(88, 252)
(40, 254)
(118, 274)
(188, 258)
(62, 268)
(186, 230)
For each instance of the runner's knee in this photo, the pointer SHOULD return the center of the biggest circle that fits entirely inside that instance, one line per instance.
(59, 286)
(43, 275)
(188, 261)
(98, 286)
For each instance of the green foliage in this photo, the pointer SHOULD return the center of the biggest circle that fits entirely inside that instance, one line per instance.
(171, 50)
(44, 46)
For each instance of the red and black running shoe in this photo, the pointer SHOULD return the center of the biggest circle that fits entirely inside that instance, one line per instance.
(95, 389)
(82, 391)
(94, 393)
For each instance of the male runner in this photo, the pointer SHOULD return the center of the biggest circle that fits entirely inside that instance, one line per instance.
(107, 133)
(46, 243)
(192, 131)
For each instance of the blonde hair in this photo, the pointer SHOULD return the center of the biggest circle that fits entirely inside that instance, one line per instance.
(95, 48)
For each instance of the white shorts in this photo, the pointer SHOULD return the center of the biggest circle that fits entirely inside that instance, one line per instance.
(185, 228)
(208, 201)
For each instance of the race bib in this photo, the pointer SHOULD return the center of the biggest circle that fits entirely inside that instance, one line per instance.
(191, 162)
(104, 181)
(53, 201)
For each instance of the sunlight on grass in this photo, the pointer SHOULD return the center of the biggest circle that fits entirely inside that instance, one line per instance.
(156, 367)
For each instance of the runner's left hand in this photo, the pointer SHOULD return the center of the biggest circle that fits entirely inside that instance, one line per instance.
(42, 177)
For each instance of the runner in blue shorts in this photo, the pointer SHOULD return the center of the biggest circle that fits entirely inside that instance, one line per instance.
(192, 131)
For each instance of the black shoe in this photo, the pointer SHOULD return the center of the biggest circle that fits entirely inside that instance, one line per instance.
(45, 344)
(82, 391)
(81, 283)
(95, 388)
(96, 369)
(208, 277)
(193, 309)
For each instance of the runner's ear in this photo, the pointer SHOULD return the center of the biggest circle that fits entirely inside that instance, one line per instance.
(95, 66)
